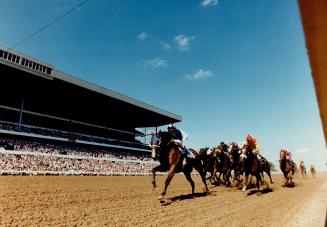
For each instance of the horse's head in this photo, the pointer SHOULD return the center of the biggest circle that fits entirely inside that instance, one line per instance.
(155, 146)
(159, 142)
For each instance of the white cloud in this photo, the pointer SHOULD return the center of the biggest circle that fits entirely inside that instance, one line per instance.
(206, 3)
(165, 46)
(155, 63)
(301, 150)
(142, 36)
(184, 42)
(201, 74)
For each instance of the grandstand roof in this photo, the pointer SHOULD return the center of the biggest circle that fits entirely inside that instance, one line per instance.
(49, 92)
(314, 20)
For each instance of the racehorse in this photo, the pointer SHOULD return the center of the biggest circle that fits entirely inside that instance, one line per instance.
(170, 158)
(313, 170)
(303, 170)
(237, 164)
(265, 167)
(217, 161)
(286, 167)
(224, 167)
(251, 166)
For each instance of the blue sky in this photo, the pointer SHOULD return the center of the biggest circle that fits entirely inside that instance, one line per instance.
(228, 67)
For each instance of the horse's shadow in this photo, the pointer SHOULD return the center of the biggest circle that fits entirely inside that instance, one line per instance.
(184, 197)
(253, 190)
(289, 185)
(261, 192)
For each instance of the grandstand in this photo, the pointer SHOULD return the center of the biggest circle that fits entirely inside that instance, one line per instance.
(41, 107)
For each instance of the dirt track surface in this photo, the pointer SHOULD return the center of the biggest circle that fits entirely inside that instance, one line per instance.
(130, 201)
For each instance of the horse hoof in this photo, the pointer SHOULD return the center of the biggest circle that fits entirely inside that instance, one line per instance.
(258, 194)
(243, 189)
(161, 199)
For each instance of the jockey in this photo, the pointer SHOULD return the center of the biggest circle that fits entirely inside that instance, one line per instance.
(179, 137)
(252, 144)
(223, 147)
(288, 155)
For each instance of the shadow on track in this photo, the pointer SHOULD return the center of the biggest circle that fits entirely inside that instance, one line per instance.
(263, 191)
(184, 197)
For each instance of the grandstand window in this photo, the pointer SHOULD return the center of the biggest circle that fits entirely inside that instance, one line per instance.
(5, 55)
(23, 61)
(34, 65)
(30, 64)
(9, 56)
(13, 58)
(1, 53)
(17, 59)
(48, 71)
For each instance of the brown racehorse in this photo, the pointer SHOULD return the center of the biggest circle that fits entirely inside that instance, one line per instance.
(251, 166)
(286, 167)
(170, 158)
(303, 170)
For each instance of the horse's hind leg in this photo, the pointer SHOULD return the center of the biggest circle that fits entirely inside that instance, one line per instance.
(258, 183)
(189, 179)
(262, 178)
(269, 175)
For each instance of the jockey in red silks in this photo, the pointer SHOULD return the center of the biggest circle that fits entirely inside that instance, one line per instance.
(252, 144)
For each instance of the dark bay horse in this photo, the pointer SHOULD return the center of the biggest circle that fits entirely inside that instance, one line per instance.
(170, 158)
(286, 167)
(215, 162)
(237, 163)
(224, 167)
(251, 166)
(265, 167)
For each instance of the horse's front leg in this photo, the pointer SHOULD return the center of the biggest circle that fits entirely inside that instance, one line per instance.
(167, 182)
(245, 184)
(154, 170)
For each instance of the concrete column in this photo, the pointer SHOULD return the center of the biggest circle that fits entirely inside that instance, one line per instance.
(21, 113)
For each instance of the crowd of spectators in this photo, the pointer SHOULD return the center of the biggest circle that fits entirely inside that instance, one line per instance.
(74, 150)
(68, 135)
(51, 164)
(69, 159)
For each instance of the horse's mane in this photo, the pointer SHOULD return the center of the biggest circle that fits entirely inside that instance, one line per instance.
(165, 138)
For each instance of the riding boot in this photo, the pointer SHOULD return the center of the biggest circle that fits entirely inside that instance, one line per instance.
(184, 162)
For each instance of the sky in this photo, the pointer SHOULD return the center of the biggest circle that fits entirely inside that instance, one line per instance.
(228, 67)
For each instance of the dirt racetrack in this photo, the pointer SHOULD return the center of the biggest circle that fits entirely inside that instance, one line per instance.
(130, 201)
